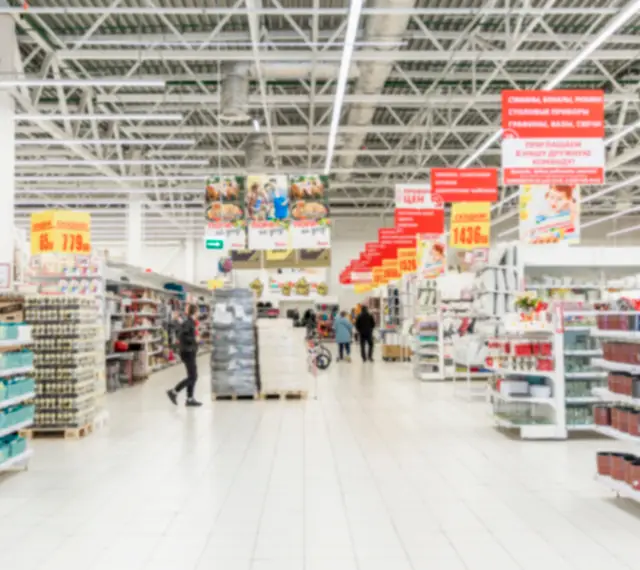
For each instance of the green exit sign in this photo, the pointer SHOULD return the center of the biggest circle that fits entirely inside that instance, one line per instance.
(213, 244)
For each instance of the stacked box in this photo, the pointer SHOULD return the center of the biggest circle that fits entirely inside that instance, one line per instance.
(233, 358)
(283, 356)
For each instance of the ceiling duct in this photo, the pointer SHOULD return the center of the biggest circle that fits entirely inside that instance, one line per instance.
(234, 100)
(254, 153)
(374, 74)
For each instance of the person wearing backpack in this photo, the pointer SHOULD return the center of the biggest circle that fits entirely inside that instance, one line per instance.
(188, 348)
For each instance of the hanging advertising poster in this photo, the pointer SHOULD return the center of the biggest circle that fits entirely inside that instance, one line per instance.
(298, 283)
(246, 259)
(223, 199)
(267, 212)
(313, 257)
(232, 234)
(279, 259)
(432, 256)
(465, 184)
(417, 210)
(470, 225)
(309, 203)
(550, 214)
(553, 137)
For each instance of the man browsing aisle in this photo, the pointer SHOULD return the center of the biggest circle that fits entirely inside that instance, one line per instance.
(365, 323)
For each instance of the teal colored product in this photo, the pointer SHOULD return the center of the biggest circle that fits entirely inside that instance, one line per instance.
(4, 418)
(9, 331)
(5, 451)
(3, 391)
(17, 446)
(27, 413)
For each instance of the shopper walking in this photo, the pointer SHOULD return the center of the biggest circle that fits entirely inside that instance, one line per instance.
(188, 346)
(343, 330)
(365, 323)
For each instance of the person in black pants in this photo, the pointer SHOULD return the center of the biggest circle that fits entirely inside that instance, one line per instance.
(188, 352)
(365, 323)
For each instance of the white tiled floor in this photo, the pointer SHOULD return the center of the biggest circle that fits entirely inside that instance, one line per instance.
(380, 472)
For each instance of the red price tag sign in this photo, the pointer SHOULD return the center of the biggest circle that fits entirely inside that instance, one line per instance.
(57, 231)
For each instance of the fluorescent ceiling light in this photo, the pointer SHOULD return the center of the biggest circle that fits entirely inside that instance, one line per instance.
(233, 44)
(256, 125)
(114, 162)
(96, 82)
(100, 142)
(341, 85)
(172, 177)
(509, 231)
(67, 190)
(485, 145)
(101, 117)
(623, 231)
(610, 217)
(624, 132)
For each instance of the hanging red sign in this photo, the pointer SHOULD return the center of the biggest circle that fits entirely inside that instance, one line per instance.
(465, 184)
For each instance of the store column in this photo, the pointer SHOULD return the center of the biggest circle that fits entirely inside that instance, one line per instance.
(189, 260)
(134, 230)
(9, 57)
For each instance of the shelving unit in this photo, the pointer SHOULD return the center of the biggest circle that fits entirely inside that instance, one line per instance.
(16, 384)
(428, 353)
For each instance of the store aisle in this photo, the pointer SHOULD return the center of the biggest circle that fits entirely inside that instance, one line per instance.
(381, 472)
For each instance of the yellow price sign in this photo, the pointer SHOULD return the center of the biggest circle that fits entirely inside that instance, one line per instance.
(60, 231)
(407, 260)
(213, 284)
(391, 270)
(470, 225)
(377, 276)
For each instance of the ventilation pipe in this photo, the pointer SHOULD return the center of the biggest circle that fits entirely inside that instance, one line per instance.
(254, 153)
(372, 75)
(234, 97)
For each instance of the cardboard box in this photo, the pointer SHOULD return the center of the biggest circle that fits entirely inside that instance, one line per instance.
(11, 311)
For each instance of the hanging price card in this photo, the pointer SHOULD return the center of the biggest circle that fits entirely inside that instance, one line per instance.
(391, 269)
(470, 225)
(377, 275)
(407, 262)
(60, 231)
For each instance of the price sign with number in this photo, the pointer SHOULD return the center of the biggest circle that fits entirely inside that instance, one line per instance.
(377, 276)
(470, 225)
(407, 262)
(59, 231)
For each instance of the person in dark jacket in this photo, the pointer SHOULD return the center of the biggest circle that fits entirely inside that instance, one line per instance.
(365, 323)
(188, 342)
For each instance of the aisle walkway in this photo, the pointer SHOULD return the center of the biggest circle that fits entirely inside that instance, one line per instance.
(381, 472)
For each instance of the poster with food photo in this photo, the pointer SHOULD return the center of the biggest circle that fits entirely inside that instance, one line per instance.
(267, 198)
(309, 197)
(550, 214)
(223, 199)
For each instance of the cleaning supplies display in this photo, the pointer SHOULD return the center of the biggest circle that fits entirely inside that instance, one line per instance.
(283, 357)
(16, 382)
(233, 359)
(68, 359)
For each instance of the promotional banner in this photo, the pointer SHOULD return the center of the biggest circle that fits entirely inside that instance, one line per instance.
(270, 234)
(60, 231)
(279, 259)
(267, 212)
(391, 270)
(432, 256)
(553, 137)
(309, 202)
(246, 259)
(407, 260)
(417, 211)
(294, 283)
(550, 214)
(465, 184)
(377, 276)
(313, 257)
(470, 225)
(233, 235)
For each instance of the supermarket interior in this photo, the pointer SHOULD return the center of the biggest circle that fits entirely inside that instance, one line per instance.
(319, 285)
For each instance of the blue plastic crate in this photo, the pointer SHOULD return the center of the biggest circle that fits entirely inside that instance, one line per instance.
(17, 446)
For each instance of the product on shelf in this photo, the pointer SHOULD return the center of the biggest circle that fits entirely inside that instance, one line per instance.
(233, 358)
(68, 360)
(325, 315)
(17, 387)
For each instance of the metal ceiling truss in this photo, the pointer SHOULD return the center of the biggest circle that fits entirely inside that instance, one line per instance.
(427, 96)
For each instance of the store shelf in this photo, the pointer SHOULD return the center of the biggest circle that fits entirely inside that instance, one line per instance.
(582, 399)
(616, 366)
(606, 395)
(628, 336)
(578, 328)
(581, 427)
(529, 431)
(11, 343)
(17, 460)
(14, 428)
(616, 434)
(523, 399)
(592, 352)
(13, 401)
(137, 329)
(16, 371)
(620, 487)
(585, 375)
(508, 372)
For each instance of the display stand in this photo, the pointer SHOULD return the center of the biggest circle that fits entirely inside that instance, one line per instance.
(428, 356)
(17, 387)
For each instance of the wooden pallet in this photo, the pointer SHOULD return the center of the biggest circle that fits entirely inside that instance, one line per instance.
(66, 433)
(396, 359)
(284, 395)
(233, 397)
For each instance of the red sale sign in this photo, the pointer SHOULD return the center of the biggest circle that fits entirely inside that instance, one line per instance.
(553, 137)
(465, 184)
(418, 210)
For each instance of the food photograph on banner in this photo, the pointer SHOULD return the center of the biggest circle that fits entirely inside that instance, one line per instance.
(432, 256)
(223, 211)
(268, 212)
(309, 200)
(550, 214)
